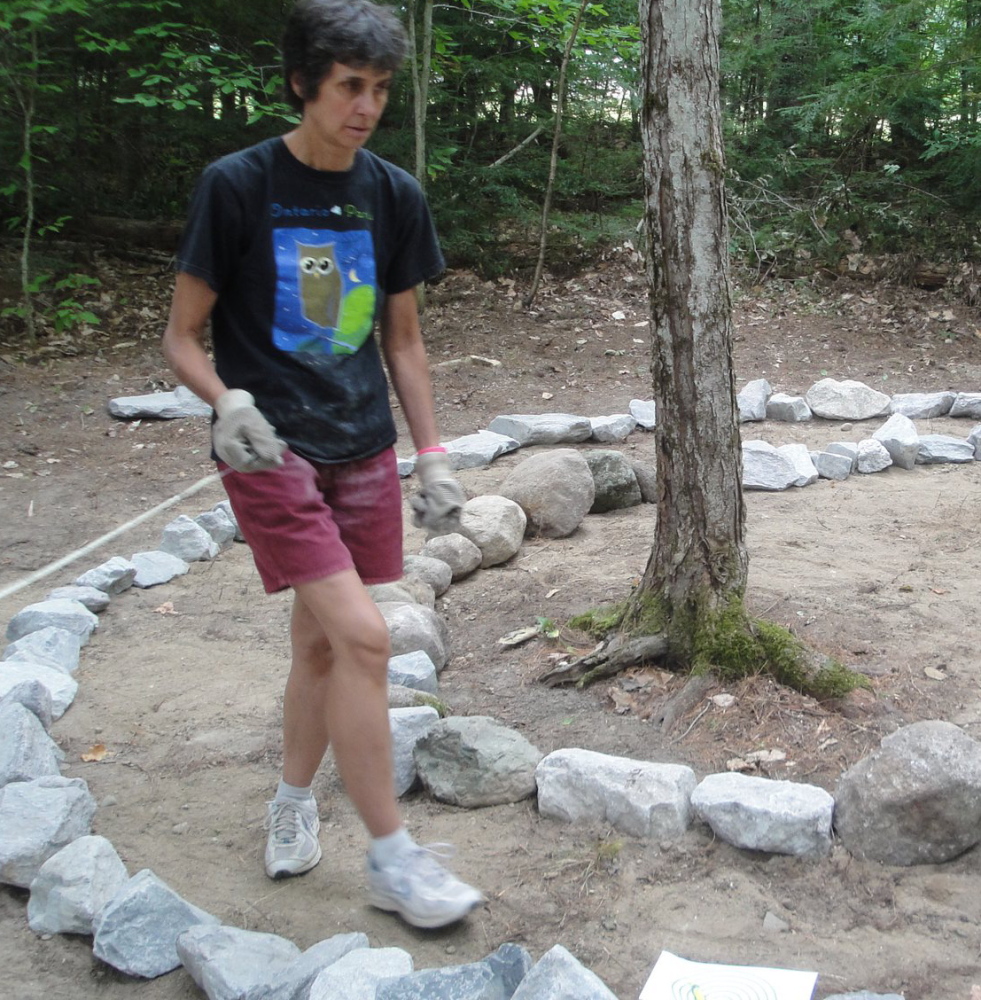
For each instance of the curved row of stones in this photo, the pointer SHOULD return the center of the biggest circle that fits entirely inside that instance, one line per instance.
(140, 926)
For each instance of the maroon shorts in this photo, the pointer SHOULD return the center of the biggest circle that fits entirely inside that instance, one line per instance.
(305, 521)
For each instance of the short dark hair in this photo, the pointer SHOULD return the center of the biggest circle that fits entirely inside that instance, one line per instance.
(319, 33)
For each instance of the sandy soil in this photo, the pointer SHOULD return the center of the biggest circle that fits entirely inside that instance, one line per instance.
(182, 683)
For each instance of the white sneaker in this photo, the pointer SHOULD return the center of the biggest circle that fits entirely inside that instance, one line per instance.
(292, 847)
(419, 889)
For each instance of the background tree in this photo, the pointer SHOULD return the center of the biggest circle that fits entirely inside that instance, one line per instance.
(843, 121)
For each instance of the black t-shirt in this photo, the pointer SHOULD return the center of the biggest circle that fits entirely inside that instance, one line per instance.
(301, 260)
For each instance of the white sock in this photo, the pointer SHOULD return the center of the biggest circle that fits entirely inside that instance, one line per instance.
(293, 793)
(384, 850)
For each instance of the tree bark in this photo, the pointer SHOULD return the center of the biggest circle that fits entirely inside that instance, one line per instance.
(698, 562)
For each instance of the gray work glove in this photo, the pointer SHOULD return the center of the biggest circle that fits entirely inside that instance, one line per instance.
(242, 436)
(437, 505)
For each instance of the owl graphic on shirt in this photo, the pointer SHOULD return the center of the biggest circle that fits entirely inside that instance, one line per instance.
(326, 290)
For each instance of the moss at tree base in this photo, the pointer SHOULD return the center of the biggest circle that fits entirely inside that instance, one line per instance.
(726, 641)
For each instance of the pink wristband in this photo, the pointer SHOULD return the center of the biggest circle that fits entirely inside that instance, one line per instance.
(426, 451)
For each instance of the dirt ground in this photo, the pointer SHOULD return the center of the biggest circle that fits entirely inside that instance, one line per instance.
(182, 683)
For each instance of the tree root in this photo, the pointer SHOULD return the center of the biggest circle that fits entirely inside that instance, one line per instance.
(608, 658)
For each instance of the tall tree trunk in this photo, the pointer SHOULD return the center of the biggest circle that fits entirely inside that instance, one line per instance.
(421, 61)
(699, 561)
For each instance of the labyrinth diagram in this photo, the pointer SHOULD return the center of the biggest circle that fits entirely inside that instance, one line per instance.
(675, 978)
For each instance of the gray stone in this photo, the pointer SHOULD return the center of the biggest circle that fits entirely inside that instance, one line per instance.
(156, 567)
(61, 687)
(69, 615)
(974, 439)
(496, 525)
(159, 405)
(408, 590)
(832, 466)
(136, 932)
(864, 995)
(846, 400)
(914, 800)
(219, 526)
(646, 480)
(789, 409)
(760, 814)
(73, 885)
(474, 761)
(52, 646)
(938, 448)
(455, 982)
(89, 597)
(872, 456)
(614, 481)
(772, 924)
(412, 627)
(636, 797)
(800, 458)
(35, 697)
(475, 451)
(900, 438)
(187, 540)
(113, 576)
(226, 962)
(967, 404)
(435, 572)
(612, 429)
(409, 726)
(37, 819)
(459, 553)
(847, 448)
(26, 750)
(225, 507)
(764, 468)
(358, 974)
(922, 405)
(542, 428)
(293, 982)
(751, 400)
(555, 489)
(644, 411)
(413, 670)
(510, 964)
(557, 975)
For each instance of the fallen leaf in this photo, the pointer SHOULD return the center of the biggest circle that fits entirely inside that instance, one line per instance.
(934, 674)
(938, 590)
(167, 608)
(95, 753)
(552, 593)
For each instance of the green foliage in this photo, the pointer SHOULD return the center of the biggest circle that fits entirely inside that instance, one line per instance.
(56, 303)
(599, 622)
(839, 115)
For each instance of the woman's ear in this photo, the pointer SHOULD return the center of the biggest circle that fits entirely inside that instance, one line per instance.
(296, 85)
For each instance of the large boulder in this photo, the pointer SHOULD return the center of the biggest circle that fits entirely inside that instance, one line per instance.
(555, 489)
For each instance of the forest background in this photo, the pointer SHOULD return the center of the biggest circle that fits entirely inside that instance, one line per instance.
(853, 133)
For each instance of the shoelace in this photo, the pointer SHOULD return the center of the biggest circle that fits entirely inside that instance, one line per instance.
(284, 819)
(429, 865)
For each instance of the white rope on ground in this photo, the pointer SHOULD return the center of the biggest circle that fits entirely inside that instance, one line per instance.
(53, 567)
